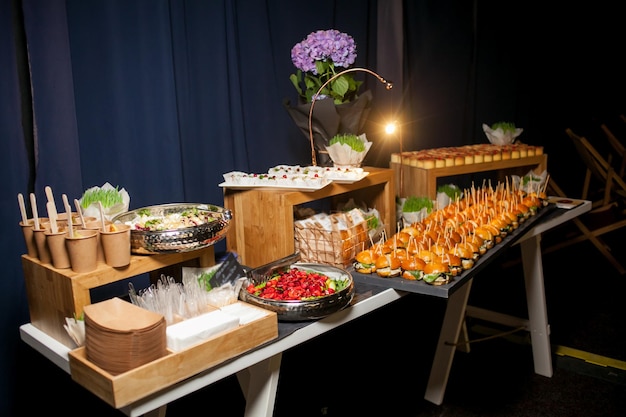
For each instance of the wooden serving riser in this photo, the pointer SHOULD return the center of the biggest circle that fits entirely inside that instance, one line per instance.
(423, 182)
(54, 294)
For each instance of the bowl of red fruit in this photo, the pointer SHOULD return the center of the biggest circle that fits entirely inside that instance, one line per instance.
(299, 291)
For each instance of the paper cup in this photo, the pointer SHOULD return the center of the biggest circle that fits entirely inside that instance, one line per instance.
(96, 225)
(43, 250)
(58, 251)
(29, 238)
(82, 249)
(116, 244)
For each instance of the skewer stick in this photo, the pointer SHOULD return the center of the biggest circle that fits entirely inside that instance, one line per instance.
(545, 185)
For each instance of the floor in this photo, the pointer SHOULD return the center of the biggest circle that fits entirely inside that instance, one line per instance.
(379, 364)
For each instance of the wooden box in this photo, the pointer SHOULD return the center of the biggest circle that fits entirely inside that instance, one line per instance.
(123, 389)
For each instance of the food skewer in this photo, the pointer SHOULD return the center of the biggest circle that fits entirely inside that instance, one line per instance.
(33, 203)
(68, 210)
(20, 201)
(545, 185)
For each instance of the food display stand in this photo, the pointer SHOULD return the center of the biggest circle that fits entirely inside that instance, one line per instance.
(54, 294)
(262, 229)
(424, 181)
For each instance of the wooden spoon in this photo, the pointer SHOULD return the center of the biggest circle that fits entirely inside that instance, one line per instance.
(20, 201)
(101, 215)
(80, 212)
(52, 215)
(33, 203)
(68, 210)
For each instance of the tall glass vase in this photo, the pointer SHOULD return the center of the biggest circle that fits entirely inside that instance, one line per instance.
(329, 119)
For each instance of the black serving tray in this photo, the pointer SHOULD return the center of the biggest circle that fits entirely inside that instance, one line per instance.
(444, 291)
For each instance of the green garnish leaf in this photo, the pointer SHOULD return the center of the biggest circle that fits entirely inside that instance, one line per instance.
(351, 140)
(412, 204)
(108, 198)
(205, 280)
(505, 126)
(450, 190)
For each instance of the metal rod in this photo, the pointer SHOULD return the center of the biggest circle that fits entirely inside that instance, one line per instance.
(388, 86)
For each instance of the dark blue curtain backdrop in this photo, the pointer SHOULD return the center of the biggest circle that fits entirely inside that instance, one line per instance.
(162, 97)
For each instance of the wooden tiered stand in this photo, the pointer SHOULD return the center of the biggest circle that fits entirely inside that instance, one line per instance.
(262, 229)
(54, 294)
(422, 182)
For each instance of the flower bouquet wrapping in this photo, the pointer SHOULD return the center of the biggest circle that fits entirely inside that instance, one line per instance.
(338, 108)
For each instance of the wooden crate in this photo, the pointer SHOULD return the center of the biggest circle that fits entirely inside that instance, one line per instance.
(54, 294)
(124, 389)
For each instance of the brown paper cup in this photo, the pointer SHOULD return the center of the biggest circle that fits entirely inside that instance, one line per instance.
(58, 251)
(29, 238)
(43, 250)
(96, 225)
(82, 249)
(116, 245)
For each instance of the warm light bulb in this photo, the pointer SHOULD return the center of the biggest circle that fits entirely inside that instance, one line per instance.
(390, 129)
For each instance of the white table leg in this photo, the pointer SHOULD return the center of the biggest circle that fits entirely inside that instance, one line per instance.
(259, 384)
(536, 300)
(444, 353)
(159, 412)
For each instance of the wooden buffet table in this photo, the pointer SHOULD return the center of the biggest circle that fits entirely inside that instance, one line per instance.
(262, 229)
(258, 370)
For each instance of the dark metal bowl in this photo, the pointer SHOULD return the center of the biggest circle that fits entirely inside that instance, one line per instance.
(144, 242)
(302, 310)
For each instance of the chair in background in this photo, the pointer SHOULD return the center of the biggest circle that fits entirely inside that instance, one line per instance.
(607, 201)
(618, 148)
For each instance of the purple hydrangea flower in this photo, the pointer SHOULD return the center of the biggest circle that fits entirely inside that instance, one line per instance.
(320, 57)
(324, 45)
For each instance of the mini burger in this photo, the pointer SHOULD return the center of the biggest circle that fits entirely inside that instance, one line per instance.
(365, 262)
(436, 273)
(454, 262)
(495, 232)
(466, 255)
(486, 235)
(388, 266)
(413, 268)
(426, 255)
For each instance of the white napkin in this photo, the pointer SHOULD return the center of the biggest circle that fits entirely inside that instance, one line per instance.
(499, 136)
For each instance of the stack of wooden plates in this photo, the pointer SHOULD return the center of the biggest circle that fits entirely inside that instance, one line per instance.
(120, 336)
